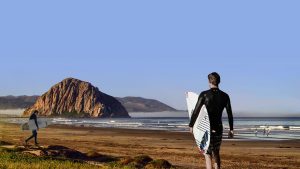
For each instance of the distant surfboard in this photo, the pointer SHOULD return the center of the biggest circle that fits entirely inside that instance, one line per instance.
(30, 125)
(201, 129)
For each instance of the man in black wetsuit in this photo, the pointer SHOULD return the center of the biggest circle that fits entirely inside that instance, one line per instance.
(34, 132)
(215, 101)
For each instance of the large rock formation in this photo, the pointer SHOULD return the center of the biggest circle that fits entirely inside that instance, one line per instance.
(131, 104)
(75, 98)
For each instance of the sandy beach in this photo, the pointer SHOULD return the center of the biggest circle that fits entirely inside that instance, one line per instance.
(176, 147)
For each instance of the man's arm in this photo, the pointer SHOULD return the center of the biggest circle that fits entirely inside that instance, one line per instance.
(197, 109)
(36, 123)
(229, 113)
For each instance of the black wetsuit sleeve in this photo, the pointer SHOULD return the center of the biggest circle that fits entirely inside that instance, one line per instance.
(229, 113)
(197, 109)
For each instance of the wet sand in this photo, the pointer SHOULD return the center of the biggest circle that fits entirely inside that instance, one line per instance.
(176, 147)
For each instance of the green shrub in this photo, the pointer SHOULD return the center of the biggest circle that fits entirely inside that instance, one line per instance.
(15, 160)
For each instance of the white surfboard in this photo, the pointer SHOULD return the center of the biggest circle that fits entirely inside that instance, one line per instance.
(201, 129)
(30, 125)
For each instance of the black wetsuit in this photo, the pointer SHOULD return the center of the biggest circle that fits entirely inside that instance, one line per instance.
(215, 101)
(34, 132)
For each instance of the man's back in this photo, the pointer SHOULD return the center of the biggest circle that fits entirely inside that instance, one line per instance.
(33, 117)
(215, 101)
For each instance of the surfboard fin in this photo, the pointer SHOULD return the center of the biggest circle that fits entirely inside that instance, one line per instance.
(204, 140)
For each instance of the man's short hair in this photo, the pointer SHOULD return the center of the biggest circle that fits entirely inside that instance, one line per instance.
(214, 78)
(35, 111)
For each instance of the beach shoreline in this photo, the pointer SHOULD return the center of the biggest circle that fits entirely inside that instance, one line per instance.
(245, 128)
(176, 147)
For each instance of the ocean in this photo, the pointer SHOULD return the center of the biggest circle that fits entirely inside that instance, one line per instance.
(280, 128)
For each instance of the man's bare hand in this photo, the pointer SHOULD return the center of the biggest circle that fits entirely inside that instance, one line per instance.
(191, 130)
(230, 134)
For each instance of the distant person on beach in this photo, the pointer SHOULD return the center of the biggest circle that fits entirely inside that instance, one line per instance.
(33, 116)
(255, 132)
(268, 131)
(215, 101)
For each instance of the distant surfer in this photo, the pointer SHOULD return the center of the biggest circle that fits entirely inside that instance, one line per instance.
(255, 132)
(215, 101)
(33, 116)
(268, 131)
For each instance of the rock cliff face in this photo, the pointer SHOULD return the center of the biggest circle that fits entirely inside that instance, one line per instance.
(75, 98)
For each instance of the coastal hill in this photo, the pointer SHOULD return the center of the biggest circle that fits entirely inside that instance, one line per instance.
(131, 104)
(139, 104)
(75, 98)
(17, 102)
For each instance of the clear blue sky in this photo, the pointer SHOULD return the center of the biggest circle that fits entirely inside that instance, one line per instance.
(156, 49)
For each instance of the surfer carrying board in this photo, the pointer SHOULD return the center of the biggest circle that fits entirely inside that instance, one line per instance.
(33, 116)
(215, 101)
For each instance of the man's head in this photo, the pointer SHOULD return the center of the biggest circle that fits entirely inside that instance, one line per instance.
(35, 112)
(214, 79)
